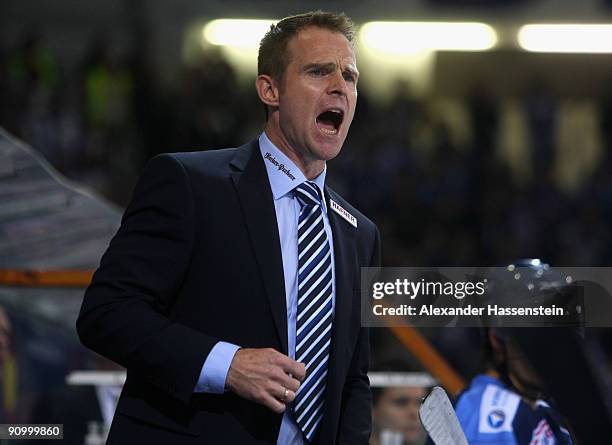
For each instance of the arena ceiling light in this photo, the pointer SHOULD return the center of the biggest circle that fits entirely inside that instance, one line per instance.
(566, 38)
(415, 37)
(237, 33)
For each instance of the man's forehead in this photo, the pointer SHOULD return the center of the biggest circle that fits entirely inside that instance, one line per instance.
(320, 45)
(405, 391)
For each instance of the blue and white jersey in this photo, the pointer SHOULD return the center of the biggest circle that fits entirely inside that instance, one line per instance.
(491, 413)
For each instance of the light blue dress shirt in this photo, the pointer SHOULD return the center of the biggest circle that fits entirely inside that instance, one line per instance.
(284, 176)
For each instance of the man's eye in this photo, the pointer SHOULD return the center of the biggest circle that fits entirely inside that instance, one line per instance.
(349, 77)
(317, 71)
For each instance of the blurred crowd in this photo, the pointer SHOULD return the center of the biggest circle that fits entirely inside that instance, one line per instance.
(428, 171)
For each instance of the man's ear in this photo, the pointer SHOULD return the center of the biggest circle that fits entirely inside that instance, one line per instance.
(267, 90)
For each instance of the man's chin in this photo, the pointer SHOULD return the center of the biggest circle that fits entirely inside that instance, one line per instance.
(329, 156)
(328, 150)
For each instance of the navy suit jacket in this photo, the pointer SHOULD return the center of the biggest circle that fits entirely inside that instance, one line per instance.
(197, 260)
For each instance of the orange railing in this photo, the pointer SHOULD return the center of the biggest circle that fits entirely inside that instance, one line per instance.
(430, 358)
(45, 278)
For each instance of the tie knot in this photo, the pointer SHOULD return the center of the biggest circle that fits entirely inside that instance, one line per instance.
(308, 194)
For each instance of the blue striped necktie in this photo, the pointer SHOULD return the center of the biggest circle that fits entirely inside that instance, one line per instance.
(314, 313)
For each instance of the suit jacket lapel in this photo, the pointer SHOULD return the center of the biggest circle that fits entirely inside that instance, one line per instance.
(253, 188)
(344, 263)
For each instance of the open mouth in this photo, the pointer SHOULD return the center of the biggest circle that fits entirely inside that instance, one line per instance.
(330, 120)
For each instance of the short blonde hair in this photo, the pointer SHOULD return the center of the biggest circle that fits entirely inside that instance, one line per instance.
(274, 57)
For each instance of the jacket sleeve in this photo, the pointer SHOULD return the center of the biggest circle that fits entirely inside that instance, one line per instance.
(356, 415)
(124, 312)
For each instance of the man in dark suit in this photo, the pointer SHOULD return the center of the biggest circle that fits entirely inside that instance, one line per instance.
(231, 291)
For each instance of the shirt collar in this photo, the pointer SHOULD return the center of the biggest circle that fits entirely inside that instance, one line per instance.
(283, 174)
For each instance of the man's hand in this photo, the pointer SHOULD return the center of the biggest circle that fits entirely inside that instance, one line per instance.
(263, 375)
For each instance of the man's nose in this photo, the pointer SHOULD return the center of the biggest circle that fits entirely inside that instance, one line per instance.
(337, 84)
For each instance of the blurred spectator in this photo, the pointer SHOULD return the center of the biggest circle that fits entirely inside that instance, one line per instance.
(111, 139)
(107, 96)
(7, 368)
(541, 111)
(6, 332)
(510, 403)
(395, 415)
(32, 78)
(505, 405)
(395, 412)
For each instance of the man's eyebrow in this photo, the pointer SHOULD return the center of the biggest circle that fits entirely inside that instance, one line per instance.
(321, 65)
(330, 66)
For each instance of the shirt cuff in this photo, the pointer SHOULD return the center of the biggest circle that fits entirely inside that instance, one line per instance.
(215, 368)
